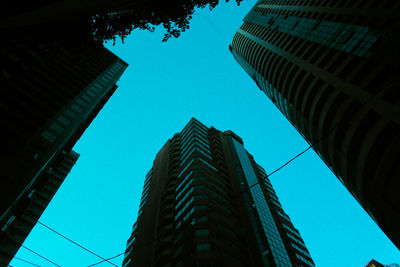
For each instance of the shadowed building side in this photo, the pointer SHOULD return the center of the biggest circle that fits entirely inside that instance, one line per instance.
(332, 69)
(28, 210)
(17, 15)
(197, 210)
(50, 93)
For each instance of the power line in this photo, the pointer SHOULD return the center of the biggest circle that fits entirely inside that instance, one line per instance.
(142, 246)
(52, 262)
(288, 162)
(31, 263)
(211, 23)
(107, 259)
(51, 229)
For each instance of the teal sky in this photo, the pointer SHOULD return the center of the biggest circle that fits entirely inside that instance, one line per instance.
(164, 86)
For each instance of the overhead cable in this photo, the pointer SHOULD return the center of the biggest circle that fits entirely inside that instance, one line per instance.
(43, 257)
(31, 263)
(116, 256)
(75, 243)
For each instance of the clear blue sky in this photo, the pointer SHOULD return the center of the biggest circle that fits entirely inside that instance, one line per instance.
(165, 85)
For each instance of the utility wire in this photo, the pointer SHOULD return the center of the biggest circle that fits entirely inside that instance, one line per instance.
(116, 256)
(287, 163)
(51, 229)
(31, 263)
(211, 23)
(34, 252)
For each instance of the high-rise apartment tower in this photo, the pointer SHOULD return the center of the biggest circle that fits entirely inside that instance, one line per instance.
(197, 208)
(332, 68)
(50, 93)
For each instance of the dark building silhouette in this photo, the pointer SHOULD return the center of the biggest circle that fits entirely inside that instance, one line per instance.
(17, 15)
(197, 210)
(332, 69)
(50, 93)
(374, 263)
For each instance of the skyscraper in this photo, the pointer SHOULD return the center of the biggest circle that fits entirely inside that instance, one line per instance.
(197, 209)
(50, 93)
(332, 69)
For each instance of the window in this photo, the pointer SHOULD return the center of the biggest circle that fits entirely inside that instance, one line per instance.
(9, 221)
(76, 108)
(195, 144)
(192, 151)
(57, 128)
(202, 219)
(293, 237)
(179, 237)
(304, 260)
(201, 207)
(183, 181)
(183, 189)
(299, 248)
(203, 247)
(201, 196)
(90, 94)
(126, 263)
(193, 130)
(283, 215)
(131, 242)
(71, 114)
(134, 227)
(81, 102)
(63, 120)
(188, 214)
(187, 166)
(182, 210)
(199, 179)
(204, 263)
(48, 136)
(201, 232)
(183, 199)
(144, 195)
(201, 137)
(226, 230)
(317, 31)
(291, 230)
(178, 251)
(208, 164)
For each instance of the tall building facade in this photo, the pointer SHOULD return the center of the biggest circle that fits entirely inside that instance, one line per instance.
(50, 93)
(197, 209)
(332, 69)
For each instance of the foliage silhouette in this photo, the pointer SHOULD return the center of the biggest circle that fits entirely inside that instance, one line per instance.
(173, 15)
